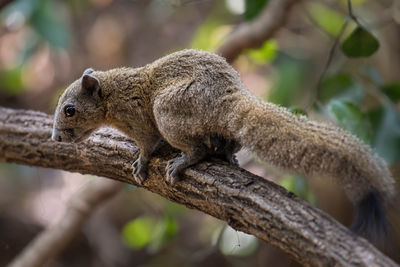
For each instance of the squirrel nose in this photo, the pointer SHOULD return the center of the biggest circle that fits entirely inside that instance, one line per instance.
(56, 137)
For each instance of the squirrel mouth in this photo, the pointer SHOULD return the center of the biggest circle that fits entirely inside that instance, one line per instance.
(68, 135)
(83, 136)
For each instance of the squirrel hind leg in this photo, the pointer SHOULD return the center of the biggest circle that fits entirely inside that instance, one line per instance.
(196, 151)
(370, 219)
(224, 148)
(177, 165)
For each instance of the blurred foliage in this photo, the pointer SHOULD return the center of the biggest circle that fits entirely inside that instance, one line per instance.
(41, 16)
(386, 136)
(43, 25)
(151, 232)
(11, 81)
(138, 233)
(298, 185)
(392, 90)
(327, 18)
(47, 24)
(350, 117)
(253, 8)
(340, 86)
(266, 53)
(360, 43)
(377, 125)
(288, 85)
(210, 35)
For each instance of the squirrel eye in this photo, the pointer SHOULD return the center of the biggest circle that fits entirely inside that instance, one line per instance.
(69, 111)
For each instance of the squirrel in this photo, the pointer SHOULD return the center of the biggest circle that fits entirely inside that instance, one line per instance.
(196, 102)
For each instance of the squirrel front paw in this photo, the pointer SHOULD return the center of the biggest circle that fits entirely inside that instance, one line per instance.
(139, 171)
(174, 168)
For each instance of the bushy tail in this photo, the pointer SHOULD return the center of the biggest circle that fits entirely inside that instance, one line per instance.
(370, 219)
(300, 145)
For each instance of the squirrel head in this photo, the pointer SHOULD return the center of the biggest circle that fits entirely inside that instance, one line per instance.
(80, 110)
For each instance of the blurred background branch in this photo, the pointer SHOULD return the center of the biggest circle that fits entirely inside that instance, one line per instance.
(48, 244)
(253, 34)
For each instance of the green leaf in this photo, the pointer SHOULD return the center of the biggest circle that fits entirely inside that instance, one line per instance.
(392, 90)
(48, 25)
(286, 88)
(138, 233)
(386, 138)
(212, 32)
(11, 81)
(340, 86)
(150, 232)
(299, 186)
(163, 232)
(360, 43)
(266, 53)
(202, 40)
(350, 117)
(288, 183)
(330, 20)
(253, 8)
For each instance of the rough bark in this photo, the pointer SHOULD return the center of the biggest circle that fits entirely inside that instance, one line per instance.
(245, 201)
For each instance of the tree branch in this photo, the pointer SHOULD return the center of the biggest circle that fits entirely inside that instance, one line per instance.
(53, 240)
(247, 202)
(254, 33)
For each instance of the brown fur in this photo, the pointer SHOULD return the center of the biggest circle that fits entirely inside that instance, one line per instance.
(196, 101)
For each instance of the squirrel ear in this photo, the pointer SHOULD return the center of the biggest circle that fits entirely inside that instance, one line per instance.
(88, 71)
(91, 84)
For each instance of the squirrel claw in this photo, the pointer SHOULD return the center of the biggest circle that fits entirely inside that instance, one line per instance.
(173, 169)
(233, 160)
(139, 171)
